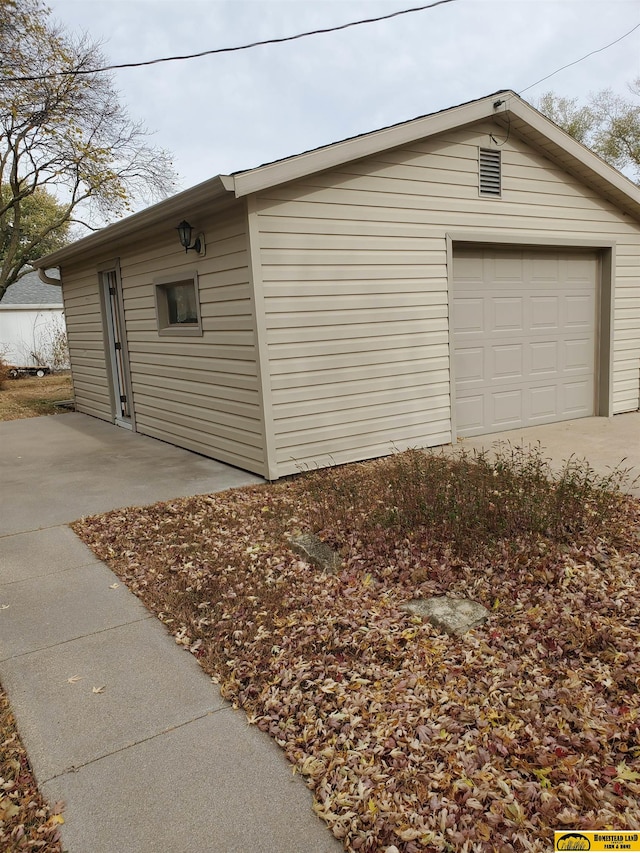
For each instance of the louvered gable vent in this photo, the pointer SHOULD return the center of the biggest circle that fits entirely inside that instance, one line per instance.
(490, 172)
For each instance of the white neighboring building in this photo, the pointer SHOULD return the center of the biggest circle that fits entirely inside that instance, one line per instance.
(31, 322)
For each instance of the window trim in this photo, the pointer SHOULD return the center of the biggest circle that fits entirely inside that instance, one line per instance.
(162, 309)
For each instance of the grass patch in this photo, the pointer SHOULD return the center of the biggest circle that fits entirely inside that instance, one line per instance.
(412, 740)
(31, 396)
(26, 821)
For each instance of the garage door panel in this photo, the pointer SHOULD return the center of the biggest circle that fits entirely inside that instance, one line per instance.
(578, 397)
(580, 268)
(507, 407)
(578, 355)
(579, 311)
(468, 315)
(470, 365)
(544, 359)
(465, 269)
(506, 314)
(544, 313)
(524, 337)
(543, 404)
(543, 270)
(506, 363)
(470, 410)
(506, 267)
(539, 360)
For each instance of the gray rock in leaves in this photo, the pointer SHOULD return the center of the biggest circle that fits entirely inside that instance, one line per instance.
(315, 551)
(452, 615)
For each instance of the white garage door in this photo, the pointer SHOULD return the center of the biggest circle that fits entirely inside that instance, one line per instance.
(524, 337)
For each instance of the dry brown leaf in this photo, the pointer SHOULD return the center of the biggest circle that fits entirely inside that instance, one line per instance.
(527, 724)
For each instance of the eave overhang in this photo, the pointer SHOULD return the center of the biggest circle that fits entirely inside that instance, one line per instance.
(210, 195)
(506, 108)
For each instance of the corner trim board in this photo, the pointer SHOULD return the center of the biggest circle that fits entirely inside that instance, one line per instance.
(263, 366)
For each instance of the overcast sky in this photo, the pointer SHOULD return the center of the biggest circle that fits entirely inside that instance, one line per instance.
(225, 113)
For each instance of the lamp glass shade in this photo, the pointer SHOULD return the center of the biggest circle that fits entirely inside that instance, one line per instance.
(184, 233)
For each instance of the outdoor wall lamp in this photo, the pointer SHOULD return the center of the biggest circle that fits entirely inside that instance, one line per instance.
(184, 233)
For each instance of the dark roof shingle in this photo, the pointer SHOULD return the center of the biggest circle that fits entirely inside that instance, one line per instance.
(29, 290)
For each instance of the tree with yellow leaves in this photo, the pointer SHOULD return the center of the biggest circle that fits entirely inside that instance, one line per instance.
(609, 124)
(67, 146)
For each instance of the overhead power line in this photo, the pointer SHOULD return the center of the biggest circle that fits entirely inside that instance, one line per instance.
(582, 58)
(217, 50)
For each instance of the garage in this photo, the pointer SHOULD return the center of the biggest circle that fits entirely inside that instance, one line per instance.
(525, 336)
(462, 273)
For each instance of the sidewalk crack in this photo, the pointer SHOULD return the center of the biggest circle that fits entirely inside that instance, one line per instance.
(75, 768)
(79, 637)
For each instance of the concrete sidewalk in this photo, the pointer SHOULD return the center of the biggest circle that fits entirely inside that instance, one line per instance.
(119, 722)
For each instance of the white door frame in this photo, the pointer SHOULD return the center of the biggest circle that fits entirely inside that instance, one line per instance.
(116, 344)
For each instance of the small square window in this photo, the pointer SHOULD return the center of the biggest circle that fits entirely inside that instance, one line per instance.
(178, 306)
(181, 303)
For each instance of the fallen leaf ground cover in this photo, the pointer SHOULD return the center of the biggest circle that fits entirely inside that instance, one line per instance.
(30, 397)
(412, 740)
(27, 822)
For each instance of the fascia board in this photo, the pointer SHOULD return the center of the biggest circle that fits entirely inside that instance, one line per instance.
(177, 205)
(228, 182)
(332, 156)
(575, 149)
(362, 146)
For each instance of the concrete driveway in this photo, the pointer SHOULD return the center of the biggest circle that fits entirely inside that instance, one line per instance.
(57, 469)
(155, 761)
(606, 443)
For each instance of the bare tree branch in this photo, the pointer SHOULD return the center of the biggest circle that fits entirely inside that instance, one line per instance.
(67, 144)
(608, 124)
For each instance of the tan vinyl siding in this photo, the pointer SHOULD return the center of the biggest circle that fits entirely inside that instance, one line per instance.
(201, 393)
(85, 334)
(354, 272)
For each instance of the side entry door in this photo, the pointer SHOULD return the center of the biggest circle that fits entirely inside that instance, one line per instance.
(117, 345)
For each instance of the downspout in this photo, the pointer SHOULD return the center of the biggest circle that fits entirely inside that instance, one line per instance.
(46, 279)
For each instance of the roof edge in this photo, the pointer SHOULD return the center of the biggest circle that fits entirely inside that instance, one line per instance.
(504, 103)
(208, 190)
(538, 121)
(32, 306)
(356, 147)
